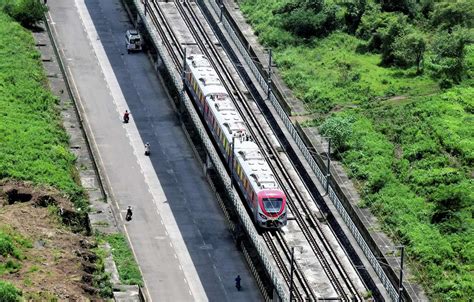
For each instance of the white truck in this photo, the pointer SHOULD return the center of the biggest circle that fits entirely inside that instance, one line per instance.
(133, 40)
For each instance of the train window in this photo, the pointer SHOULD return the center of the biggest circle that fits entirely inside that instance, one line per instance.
(272, 205)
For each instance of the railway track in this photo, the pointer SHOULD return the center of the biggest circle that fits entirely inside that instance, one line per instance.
(309, 226)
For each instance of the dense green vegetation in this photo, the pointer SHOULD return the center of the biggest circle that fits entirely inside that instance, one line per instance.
(391, 83)
(124, 260)
(27, 12)
(34, 146)
(12, 246)
(8, 292)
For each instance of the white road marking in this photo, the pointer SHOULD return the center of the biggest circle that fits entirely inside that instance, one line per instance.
(86, 124)
(150, 176)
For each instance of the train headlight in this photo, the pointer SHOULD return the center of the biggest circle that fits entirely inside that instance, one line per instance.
(262, 216)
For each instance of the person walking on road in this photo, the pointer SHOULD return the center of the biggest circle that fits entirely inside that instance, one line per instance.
(237, 283)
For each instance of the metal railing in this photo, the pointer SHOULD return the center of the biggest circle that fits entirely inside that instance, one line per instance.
(263, 81)
(221, 170)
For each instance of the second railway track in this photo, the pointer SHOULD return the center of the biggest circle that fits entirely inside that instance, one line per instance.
(309, 226)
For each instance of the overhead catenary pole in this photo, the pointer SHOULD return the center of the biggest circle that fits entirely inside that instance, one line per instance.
(269, 79)
(232, 161)
(328, 172)
(183, 78)
(221, 6)
(145, 4)
(291, 272)
(400, 279)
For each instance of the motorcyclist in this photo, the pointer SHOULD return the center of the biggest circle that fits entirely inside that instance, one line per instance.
(147, 148)
(128, 217)
(126, 116)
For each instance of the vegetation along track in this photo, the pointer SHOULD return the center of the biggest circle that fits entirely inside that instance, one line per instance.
(332, 266)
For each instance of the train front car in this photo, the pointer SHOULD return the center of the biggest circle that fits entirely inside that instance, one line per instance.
(272, 208)
(267, 200)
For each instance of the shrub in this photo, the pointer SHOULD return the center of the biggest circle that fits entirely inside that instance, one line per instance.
(449, 200)
(339, 129)
(27, 12)
(308, 19)
(8, 292)
(6, 246)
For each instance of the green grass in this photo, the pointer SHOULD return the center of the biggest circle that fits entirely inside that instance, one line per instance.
(124, 260)
(34, 144)
(12, 246)
(9, 293)
(409, 146)
(333, 74)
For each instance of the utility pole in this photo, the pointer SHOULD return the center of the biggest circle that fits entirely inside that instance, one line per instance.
(269, 80)
(400, 279)
(291, 272)
(145, 4)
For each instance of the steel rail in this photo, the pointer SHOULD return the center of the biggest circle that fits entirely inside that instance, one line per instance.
(301, 220)
(347, 280)
(231, 86)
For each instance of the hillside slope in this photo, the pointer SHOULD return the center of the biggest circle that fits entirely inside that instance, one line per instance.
(41, 254)
(391, 82)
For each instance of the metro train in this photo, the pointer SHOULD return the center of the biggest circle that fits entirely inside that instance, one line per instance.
(250, 170)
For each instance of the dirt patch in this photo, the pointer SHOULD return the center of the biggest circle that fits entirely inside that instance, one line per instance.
(59, 263)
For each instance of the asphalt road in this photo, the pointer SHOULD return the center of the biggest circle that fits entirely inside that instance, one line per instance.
(178, 233)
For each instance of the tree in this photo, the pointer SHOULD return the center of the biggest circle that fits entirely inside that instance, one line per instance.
(354, 13)
(396, 28)
(407, 7)
(409, 50)
(449, 51)
(447, 15)
(29, 12)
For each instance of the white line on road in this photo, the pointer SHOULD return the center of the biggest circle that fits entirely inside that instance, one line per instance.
(86, 124)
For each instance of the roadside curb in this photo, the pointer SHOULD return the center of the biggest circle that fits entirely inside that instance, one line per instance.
(102, 215)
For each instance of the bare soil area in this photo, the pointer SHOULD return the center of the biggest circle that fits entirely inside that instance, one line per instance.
(59, 263)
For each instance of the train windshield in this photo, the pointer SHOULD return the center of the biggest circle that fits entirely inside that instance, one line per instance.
(272, 205)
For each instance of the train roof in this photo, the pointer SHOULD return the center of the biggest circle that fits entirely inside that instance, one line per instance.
(227, 116)
(205, 75)
(255, 166)
(248, 153)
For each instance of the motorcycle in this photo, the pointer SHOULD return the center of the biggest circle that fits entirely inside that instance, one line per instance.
(128, 217)
(147, 149)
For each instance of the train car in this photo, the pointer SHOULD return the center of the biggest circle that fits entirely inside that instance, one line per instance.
(250, 170)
